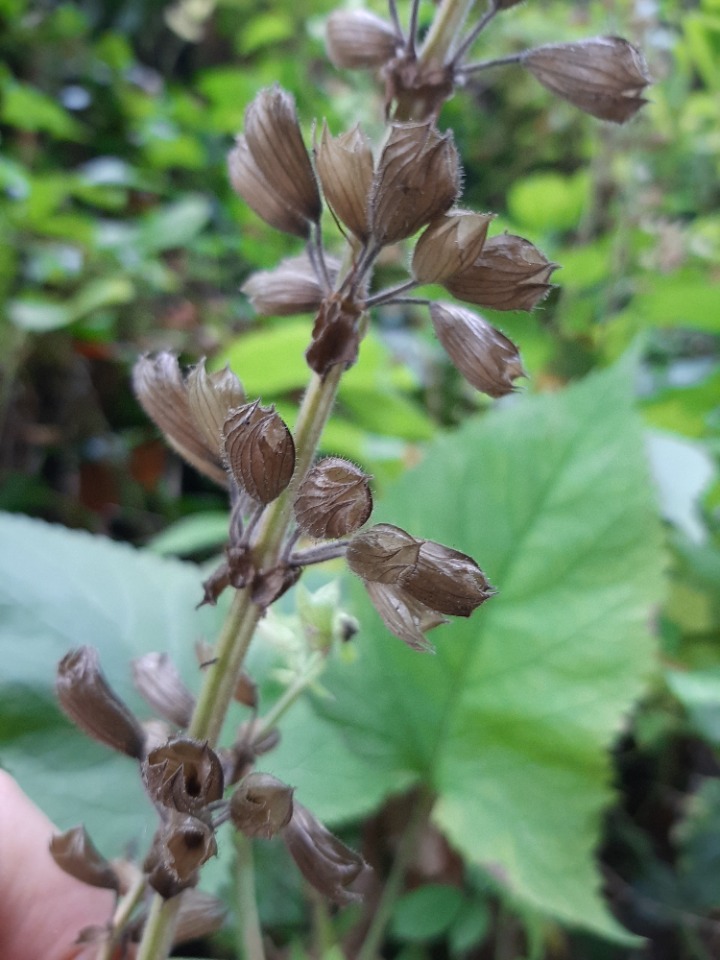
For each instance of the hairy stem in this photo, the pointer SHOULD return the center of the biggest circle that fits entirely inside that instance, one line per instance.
(237, 632)
(446, 28)
(393, 886)
(250, 943)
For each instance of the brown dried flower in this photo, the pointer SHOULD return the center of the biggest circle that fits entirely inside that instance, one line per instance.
(200, 914)
(417, 180)
(335, 336)
(261, 806)
(358, 40)
(447, 581)
(259, 451)
(159, 683)
(291, 287)
(334, 499)
(604, 76)
(383, 554)
(87, 698)
(345, 168)
(184, 775)
(180, 847)
(163, 394)
(75, 853)
(403, 615)
(510, 274)
(210, 397)
(484, 356)
(325, 862)
(451, 244)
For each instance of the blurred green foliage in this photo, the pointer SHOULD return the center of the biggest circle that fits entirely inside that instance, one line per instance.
(119, 234)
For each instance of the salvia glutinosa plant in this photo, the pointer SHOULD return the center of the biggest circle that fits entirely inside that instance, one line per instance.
(288, 509)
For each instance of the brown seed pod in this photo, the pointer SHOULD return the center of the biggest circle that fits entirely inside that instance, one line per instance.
(451, 244)
(446, 580)
(359, 40)
(76, 854)
(259, 451)
(261, 806)
(345, 168)
(604, 76)
(334, 499)
(87, 698)
(383, 554)
(484, 356)
(160, 684)
(184, 775)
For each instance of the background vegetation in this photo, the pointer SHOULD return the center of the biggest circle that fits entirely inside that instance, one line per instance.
(570, 730)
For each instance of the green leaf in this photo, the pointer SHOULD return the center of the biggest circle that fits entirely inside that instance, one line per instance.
(193, 534)
(511, 721)
(41, 315)
(29, 109)
(175, 225)
(549, 201)
(60, 589)
(426, 913)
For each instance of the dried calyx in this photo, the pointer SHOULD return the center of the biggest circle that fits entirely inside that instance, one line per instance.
(414, 583)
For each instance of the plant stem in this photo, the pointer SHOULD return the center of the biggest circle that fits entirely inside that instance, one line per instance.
(288, 698)
(445, 30)
(474, 34)
(123, 912)
(418, 818)
(239, 627)
(159, 927)
(487, 64)
(250, 943)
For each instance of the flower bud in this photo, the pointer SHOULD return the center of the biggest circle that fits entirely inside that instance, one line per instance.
(292, 287)
(210, 398)
(273, 137)
(509, 274)
(446, 580)
(451, 244)
(417, 180)
(159, 683)
(383, 554)
(163, 395)
(249, 181)
(86, 697)
(345, 168)
(483, 355)
(604, 76)
(325, 862)
(261, 806)
(359, 40)
(334, 499)
(75, 853)
(180, 847)
(404, 616)
(183, 775)
(259, 451)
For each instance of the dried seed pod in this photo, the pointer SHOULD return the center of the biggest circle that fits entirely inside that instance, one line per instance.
(75, 853)
(180, 847)
(484, 356)
(403, 615)
(273, 137)
(292, 287)
(417, 180)
(451, 244)
(249, 181)
(334, 499)
(335, 337)
(259, 451)
(604, 76)
(325, 862)
(163, 395)
(200, 915)
(246, 691)
(270, 584)
(383, 554)
(261, 806)
(359, 40)
(211, 396)
(86, 697)
(184, 775)
(510, 274)
(345, 168)
(159, 683)
(446, 580)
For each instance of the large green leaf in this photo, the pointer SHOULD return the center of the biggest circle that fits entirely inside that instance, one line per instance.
(511, 721)
(60, 589)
